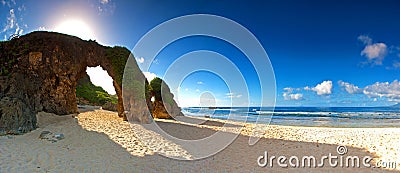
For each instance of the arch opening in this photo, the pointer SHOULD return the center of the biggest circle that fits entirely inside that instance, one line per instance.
(95, 90)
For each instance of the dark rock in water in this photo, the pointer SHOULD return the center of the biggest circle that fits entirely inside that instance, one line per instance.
(39, 72)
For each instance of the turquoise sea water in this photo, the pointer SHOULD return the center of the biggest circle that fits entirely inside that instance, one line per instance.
(305, 116)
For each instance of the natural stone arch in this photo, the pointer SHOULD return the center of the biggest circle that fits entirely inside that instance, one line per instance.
(112, 60)
(41, 71)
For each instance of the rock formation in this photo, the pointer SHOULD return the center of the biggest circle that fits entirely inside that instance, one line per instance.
(39, 72)
(163, 106)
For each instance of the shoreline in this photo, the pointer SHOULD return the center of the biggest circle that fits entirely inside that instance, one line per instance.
(332, 117)
(99, 140)
(288, 126)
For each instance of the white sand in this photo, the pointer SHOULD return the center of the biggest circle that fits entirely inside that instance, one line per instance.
(99, 141)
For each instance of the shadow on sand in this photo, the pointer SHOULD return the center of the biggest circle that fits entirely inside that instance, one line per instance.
(90, 151)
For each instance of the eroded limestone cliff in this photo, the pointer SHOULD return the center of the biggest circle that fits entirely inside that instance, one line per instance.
(39, 72)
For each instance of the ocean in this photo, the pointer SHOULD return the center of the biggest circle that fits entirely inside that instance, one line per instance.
(354, 117)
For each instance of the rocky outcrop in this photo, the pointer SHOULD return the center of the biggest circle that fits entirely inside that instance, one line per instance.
(39, 72)
(165, 110)
(135, 93)
(109, 106)
(163, 106)
(16, 116)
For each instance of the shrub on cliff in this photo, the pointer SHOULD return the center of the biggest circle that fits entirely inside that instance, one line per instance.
(118, 57)
(94, 94)
(88, 93)
(156, 86)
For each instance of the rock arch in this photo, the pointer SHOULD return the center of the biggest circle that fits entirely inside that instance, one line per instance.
(40, 70)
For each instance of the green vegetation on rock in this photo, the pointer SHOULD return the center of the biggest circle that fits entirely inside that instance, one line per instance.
(134, 82)
(155, 89)
(95, 94)
(118, 57)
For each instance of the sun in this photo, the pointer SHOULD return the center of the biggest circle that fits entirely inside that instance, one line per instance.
(76, 28)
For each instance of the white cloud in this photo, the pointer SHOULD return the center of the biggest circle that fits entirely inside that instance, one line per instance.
(289, 89)
(288, 96)
(199, 83)
(21, 8)
(323, 88)
(104, 1)
(350, 88)
(233, 95)
(18, 30)
(384, 89)
(375, 53)
(140, 60)
(197, 90)
(149, 76)
(365, 39)
(8, 3)
(10, 21)
(41, 28)
(13, 24)
(106, 7)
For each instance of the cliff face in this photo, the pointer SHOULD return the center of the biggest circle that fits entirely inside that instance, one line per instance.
(39, 72)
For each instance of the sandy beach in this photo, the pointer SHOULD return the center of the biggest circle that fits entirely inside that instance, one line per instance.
(99, 141)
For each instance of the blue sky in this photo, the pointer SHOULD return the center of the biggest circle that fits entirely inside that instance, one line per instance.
(323, 53)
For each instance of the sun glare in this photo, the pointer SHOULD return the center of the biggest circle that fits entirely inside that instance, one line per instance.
(76, 28)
